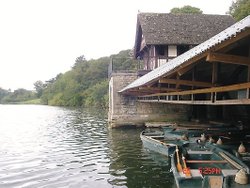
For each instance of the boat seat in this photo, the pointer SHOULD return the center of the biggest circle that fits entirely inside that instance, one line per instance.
(229, 172)
(157, 136)
(199, 152)
(194, 173)
(231, 161)
(206, 161)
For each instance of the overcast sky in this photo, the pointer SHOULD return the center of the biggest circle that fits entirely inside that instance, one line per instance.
(42, 38)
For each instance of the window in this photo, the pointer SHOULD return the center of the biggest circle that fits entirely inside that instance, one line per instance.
(160, 50)
(182, 49)
(172, 51)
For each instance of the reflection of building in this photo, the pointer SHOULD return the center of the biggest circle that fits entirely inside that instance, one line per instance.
(162, 37)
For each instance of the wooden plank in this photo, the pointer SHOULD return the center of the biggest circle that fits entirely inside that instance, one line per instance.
(159, 89)
(215, 73)
(210, 90)
(185, 82)
(231, 161)
(206, 161)
(178, 102)
(226, 58)
(233, 101)
(182, 71)
(201, 102)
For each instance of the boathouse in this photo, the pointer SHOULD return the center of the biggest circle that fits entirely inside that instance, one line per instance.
(208, 82)
(162, 37)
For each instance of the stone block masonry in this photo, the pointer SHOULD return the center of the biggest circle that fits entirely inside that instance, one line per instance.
(125, 110)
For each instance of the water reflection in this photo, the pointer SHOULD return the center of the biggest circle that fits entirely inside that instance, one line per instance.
(44, 146)
(134, 166)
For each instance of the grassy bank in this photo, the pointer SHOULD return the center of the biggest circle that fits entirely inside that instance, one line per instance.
(33, 101)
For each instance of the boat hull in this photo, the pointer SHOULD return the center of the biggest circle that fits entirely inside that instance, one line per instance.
(156, 145)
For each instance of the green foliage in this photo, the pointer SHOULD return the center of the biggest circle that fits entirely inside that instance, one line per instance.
(18, 96)
(39, 86)
(32, 101)
(187, 10)
(240, 9)
(123, 61)
(3, 93)
(97, 95)
(85, 84)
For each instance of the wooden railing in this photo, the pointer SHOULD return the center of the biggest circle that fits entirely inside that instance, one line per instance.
(124, 65)
(223, 95)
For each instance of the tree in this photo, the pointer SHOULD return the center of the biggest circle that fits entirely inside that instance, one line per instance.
(3, 93)
(39, 86)
(187, 10)
(240, 9)
(79, 60)
(19, 95)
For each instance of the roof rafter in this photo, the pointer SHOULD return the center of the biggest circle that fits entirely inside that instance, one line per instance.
(158, 89)
(185, 82)
(226, 58)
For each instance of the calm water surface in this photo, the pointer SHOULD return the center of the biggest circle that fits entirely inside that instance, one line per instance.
(42, 146)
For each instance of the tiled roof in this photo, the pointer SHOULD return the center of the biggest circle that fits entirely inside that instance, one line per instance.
(163, 70)
(162, 28)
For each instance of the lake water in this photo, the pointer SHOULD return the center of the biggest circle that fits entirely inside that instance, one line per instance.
(53, 147)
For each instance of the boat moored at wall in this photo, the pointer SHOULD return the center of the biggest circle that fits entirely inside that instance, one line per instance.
(205, 166)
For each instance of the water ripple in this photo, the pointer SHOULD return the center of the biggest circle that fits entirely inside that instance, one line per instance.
(51, 147)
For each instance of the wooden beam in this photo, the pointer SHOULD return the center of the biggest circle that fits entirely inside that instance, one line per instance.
(159, 89)
(208, 90)
(215, 73)
(186, 69)
(213, 89)
(248, 79)
(248, 75)
(149, 91)
(178, 84)
(185, 82)
(200, 102)
(226, 58)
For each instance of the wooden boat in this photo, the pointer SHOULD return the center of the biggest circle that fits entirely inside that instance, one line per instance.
(197, 131)
(234, 143)
(156, 141)
(205, 166)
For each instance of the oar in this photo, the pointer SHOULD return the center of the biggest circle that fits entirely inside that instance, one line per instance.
(179, 168)
(186, 170)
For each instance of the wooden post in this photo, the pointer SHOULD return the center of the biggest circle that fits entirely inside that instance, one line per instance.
(248, 79)
(193, 76)
(214, 79)
(177, 84)
(248, 75)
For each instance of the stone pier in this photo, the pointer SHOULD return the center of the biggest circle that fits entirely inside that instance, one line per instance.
(127, 111)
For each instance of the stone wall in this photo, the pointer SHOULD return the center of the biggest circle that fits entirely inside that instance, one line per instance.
(126, 110)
